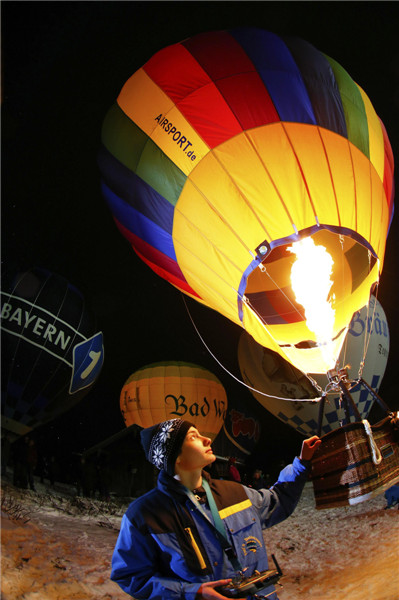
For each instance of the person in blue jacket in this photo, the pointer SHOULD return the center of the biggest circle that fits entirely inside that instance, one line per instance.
(191, 535)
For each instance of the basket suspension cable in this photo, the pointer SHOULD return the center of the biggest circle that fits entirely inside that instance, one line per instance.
(376, 397)
(236, 378)
(341, 241)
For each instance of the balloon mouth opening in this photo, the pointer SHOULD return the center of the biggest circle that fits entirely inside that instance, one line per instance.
(352, 270)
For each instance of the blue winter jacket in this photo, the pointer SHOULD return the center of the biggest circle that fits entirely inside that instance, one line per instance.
(166, 547)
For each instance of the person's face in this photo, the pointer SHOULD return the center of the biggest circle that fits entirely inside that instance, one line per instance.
(196, 451)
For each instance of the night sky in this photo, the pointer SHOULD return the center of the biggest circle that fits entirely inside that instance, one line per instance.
(63, 65)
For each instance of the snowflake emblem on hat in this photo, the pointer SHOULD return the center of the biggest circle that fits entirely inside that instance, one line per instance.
(158, 456)
(162, 443)
(165, 431)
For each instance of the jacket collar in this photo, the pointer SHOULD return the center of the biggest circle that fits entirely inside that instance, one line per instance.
(171, 486)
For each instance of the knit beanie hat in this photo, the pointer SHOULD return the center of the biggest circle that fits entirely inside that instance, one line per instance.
(162, 443)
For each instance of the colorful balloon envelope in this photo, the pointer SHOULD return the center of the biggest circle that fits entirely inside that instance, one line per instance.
(225, 149)
(52, 354)
(170, 390)
(270, 375)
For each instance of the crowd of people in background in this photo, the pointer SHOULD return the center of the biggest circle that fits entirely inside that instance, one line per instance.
(235, 470)
(23, 463)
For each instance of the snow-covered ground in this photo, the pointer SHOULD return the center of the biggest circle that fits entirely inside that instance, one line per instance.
(64, 551)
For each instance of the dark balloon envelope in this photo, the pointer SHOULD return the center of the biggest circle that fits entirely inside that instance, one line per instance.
(51, 352)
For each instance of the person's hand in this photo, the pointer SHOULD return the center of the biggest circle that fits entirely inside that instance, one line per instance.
(309, 447)
(207, 590)
(395, 420)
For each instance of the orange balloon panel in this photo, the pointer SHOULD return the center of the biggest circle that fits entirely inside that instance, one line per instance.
(167, 390)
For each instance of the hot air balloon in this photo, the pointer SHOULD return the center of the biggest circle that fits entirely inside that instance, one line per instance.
(51, 352)
(226, 152)
(241, 430)
(170, 390)
(270, 375)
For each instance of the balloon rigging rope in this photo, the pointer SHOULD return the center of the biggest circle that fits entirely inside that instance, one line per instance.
(345, 347)
(281, 291)
(236, 378)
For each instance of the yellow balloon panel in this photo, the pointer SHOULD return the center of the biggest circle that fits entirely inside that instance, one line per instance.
(258, 209)
(210, 270)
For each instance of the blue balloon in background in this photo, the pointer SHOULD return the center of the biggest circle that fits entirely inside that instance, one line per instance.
(51, 352)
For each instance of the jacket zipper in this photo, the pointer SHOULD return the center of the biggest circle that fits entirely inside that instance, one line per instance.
(195, 548)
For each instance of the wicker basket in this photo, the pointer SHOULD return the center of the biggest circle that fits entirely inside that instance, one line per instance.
(344, 469)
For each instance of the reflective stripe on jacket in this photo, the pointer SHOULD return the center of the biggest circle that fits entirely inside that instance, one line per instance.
(166, 548)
